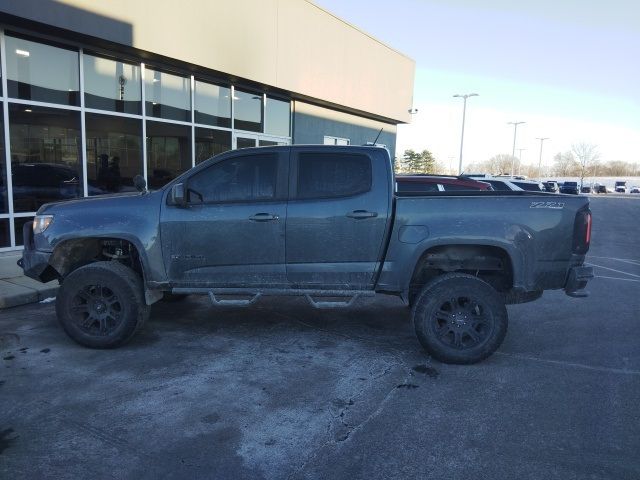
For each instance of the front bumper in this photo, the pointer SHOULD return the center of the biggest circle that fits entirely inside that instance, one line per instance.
(577, 280)
(35, 263)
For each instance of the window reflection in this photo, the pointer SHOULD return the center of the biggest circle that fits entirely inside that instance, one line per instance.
(212, 104)
(4, 204)
(45, 156)
(167, 96)
(114, 153)
(247, 111)
(5, 236)
(277, 116)
(211, 142)
(19, 225)
(111, 85)
(36, 71)
(168, 152)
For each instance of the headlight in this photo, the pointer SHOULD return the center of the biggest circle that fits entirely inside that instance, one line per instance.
(41, 223)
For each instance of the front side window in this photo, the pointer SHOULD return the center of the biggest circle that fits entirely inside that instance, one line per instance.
(36, 71)
(326, 175)
(111, 85)
(240, 179)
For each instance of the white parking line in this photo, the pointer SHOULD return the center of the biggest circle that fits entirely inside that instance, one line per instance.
(623, 260)
(571, 364)
(617, 278)
(614, 270)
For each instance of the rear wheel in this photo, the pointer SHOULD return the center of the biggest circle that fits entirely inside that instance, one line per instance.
(459, 318)
(102, 305)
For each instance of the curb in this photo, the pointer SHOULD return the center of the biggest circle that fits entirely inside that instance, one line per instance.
(18, 291)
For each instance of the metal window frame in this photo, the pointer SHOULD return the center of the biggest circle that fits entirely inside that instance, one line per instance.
(143, 117)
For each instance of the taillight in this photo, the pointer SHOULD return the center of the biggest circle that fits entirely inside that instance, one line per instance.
(582, 231)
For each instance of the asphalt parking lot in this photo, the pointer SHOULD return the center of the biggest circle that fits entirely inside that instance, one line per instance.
(280, 390)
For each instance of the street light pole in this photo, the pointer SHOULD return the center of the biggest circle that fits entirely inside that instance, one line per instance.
(542, 139)
(520, 150)
(464, 112)
(513, 152)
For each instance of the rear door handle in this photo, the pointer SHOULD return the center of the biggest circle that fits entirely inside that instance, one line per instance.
(263, 217)
(360, 214)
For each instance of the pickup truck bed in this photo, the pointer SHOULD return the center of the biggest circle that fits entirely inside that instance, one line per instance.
(319, 221)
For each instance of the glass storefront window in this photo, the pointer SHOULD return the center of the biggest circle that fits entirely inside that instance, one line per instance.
(247, 111)
(111, 85)
(114, 153)
(18, 224)
(5, 235)
(36, 71)
(4, 204)
(277, 117)
(212, 104)
(45, 156)
(167, 96)
(168, 152)
(211, 142)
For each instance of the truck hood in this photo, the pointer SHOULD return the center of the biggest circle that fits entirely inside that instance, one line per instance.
(98, 201)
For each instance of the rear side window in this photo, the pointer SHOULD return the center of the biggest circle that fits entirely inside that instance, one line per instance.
(328, 175)
(238, 179)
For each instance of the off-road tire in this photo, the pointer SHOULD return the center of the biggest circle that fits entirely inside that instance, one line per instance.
(108, 293)
(459, 318)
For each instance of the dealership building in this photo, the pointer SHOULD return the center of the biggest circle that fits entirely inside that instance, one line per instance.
(84, 82)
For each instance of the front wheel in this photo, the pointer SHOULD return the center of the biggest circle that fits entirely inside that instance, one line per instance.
(101, 305)
(459, 318)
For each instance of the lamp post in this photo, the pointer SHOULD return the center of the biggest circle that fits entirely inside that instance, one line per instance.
(542, 139)
(520, 150)
(464, 112)
(513, 152)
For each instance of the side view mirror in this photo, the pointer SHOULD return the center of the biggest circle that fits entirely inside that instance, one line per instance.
(177, 195)
(140, 183)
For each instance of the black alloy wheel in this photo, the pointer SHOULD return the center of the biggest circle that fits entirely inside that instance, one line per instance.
(460, 318)
(102, 304)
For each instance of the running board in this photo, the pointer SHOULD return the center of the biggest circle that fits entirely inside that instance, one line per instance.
(313, 296)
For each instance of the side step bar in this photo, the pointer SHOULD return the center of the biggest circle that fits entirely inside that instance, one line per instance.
(313, 296)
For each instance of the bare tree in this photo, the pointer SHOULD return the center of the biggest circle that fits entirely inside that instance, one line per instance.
(565, 164)
(500, 163)
(587, 154)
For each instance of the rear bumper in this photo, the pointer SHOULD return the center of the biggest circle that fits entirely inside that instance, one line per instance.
(577, 280)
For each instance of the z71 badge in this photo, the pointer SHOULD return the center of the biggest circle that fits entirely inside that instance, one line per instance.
(553, 205)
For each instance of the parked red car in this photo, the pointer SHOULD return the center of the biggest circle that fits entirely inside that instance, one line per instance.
(437, 183)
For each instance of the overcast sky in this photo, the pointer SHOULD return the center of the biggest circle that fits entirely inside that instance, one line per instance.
(569, 68)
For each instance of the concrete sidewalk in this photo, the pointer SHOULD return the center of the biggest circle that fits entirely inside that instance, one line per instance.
(16, 289)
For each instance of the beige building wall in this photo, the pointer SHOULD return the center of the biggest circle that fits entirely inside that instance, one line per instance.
(289, 44)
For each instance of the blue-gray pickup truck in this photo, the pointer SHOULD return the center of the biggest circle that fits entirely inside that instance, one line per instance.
(325, 222)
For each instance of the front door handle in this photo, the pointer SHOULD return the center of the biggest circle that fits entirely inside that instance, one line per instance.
(360, 214)
(263, 217)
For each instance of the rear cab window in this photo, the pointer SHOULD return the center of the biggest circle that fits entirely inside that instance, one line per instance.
(332, 175)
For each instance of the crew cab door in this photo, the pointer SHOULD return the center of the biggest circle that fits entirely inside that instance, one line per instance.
(231, 231)
(337, 216)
